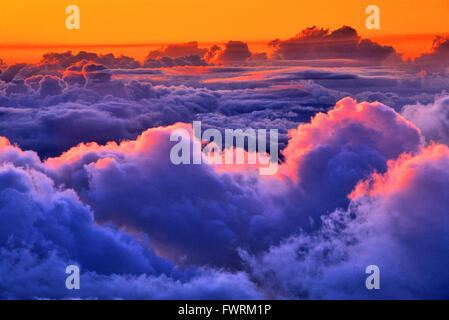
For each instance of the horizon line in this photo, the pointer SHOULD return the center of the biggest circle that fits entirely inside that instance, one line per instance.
(20, 45)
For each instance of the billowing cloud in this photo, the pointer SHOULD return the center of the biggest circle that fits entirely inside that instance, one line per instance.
(437, 60)
(110, 104)
(432, 119)
(328, 156)
(176, 55)
(318, 43)
(66, 59)
(92, 183)
(166, 62)
(9, 73)
(397, 220)
(106, 197)
(177, 51)
(323, 162)
(55, 63)
(234, 52)
(45, 229)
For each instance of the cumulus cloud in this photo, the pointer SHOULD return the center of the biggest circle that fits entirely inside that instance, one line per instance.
(10, 72)
(328, 156)
(56, 63)
(166, 62)
(396, 220)
(218, 212)
(45, 228)
(97, 187)
(189, 54)
(202, 217)
(181, 217)
(176, 55)
(177, 51)
(319, 43)
(234, 52)
(432, 119)
(73, 120)
(435, 61)
(66, 59)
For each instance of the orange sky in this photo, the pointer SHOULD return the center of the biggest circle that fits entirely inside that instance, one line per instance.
(42, 22)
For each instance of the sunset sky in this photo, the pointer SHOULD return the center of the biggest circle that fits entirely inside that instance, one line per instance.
(102, 195)
(409, 25)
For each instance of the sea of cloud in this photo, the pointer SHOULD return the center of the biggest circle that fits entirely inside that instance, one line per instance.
(86, 176)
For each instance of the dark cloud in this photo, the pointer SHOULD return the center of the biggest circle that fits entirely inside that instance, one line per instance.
(177, 51)
(176, 55)
(66, 59)
(435, 61)
(55, 63)
(234, 52)
(318, 43)
(166, 62)
(9, 74)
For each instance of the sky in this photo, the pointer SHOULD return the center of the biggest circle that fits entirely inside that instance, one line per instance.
(409, 25)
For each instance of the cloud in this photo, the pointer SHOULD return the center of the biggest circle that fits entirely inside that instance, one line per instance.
(45, 228)
(176, 55)
(43, 223)
(201, 206)
(312, 47)
(218, 212)
(109, 193)
(91, 105)
(328, 156)
(66, 59)
(436, 60)
(55, 64)
(50, 86)
(234, 52)
(166, 62)
(189, 54)
(318, 43)
(432, 119)
(9, 74)
(112, 105)
(396, 220)
(177, 51)
(104, 197)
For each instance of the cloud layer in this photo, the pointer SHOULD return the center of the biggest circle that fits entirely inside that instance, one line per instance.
(396, 220)
(129, 217)
(86, 176)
